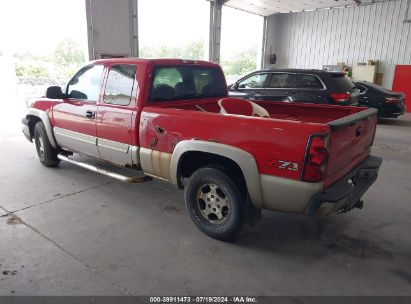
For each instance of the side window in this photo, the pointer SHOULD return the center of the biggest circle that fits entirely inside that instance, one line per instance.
(253, 82)
(309, 81)
(119, 86)
(86, 83)
(281, 80)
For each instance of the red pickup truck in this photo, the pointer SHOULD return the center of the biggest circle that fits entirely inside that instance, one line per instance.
(172, 120)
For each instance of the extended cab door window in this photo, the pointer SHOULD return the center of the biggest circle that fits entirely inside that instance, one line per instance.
(119, 85)
(85, 85)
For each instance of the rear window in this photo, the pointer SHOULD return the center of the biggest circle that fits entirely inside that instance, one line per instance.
(342, 82)
(186, 82)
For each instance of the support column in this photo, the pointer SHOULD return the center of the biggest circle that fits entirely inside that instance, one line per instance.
(215, 30)
(112, 28)
(133, 4)
(264, 58)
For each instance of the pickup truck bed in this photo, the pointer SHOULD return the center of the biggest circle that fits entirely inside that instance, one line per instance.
(172, 120)
(303, 113)
(351, 132)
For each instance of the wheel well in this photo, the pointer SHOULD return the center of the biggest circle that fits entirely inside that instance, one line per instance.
(32, 123)
(191, 161)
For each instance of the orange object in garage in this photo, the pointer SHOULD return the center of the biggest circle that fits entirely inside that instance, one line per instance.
(402, 83)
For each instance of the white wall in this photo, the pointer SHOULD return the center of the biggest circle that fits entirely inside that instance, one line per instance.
(350, 35)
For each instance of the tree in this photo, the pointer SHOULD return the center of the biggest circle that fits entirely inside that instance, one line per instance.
(59, 66)
(191, 50)
(32, 66)
(194, 50)
(68, 53)
(241, 63)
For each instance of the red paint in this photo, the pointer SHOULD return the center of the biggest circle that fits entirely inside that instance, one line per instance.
(402, 83)
(283, 137)
(114, 122)
(71, 115)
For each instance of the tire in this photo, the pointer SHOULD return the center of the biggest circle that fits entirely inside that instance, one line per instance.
(214, 203)
(45, 151)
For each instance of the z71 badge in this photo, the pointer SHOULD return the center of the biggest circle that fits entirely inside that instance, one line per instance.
(281, 164)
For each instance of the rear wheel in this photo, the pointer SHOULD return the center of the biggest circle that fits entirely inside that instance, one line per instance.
(45, 151)
(214, 203)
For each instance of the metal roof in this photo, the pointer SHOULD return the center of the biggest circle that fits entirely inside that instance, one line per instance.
(270, 7)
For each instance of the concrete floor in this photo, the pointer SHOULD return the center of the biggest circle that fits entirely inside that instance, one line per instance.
(67, 231)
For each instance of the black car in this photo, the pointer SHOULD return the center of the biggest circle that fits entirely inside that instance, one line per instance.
(314, 86)
(389, 104)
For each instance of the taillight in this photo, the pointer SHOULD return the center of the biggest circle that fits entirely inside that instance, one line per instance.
(341, 97)
(392, 100)
(316, 158)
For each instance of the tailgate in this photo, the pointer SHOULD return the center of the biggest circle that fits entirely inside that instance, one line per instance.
(350, 143)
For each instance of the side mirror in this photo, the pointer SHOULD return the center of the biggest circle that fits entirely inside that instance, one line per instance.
(54, 92)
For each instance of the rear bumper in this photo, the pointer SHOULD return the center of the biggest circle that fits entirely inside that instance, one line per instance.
(26, 129)
(391, 111)
(347, 192)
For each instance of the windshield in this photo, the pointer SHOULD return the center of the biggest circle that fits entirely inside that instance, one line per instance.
(186, 82)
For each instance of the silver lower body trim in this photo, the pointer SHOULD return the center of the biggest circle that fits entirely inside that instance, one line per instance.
(287, 195)
(115, 152)
(77, 142)
(111, 151)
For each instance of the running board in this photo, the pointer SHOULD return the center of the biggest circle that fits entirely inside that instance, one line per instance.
(120, 177)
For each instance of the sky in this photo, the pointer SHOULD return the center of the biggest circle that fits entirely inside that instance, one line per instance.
(38, 26)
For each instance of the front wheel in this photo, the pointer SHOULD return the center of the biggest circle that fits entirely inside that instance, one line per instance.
(214, 203)
(45, 151)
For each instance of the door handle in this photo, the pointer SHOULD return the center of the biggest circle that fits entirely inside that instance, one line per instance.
(90, 114)
(292, 92)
